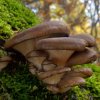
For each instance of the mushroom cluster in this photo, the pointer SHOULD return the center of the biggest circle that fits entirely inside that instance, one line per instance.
(52, 54)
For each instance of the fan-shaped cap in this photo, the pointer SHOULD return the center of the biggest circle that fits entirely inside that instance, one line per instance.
(87, 56)
(47, 29)
(5, 59)
(62, 43)
(90, 39)
(69, 82)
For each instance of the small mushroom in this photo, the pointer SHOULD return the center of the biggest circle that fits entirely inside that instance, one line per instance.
(4, 61)
(87, 56)
(73, 78)
(70, 79)
(69, 82)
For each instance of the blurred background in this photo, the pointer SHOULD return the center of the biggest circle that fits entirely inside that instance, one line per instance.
(83, 16)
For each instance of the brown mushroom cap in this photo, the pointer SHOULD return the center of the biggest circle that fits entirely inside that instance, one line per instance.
(72, 78)
(5, 59)
(62, 43)
(80, 72)
(47, 29)
(83, 72)
(69, 82)
(90, 39)
(4, 62)
(87, 56)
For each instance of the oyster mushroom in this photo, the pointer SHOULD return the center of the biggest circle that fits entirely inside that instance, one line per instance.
(73, 78)
(4, 61)
(48, 48)
(58, 50)
(87, 56)
(70, 79)
(25, 42)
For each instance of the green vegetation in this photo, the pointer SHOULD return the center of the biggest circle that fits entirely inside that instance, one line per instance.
(16, 82)
(91, 90)
(14, 16)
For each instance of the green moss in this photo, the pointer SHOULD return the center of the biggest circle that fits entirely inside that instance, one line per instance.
(89, 91)
(18, 84)
(14, 16)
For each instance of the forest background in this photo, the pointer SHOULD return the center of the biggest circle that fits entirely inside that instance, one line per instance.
(83, 16)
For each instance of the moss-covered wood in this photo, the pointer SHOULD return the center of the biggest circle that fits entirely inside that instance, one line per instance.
(14, 16)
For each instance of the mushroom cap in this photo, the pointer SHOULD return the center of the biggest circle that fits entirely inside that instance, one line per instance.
(46, 29)
(43, 75)
(73, 78)
(5, 59)
(69, 82)
(62, 43)
(83, 72)
(80, 72)
(90, 39)
(86, 56)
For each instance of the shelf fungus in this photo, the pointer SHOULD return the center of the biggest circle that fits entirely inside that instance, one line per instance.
(51, 53)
